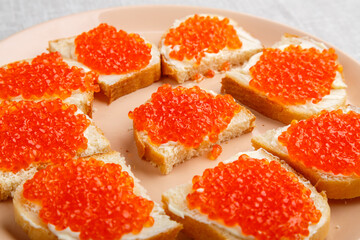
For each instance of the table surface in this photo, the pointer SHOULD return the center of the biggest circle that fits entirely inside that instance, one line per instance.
(337, 22)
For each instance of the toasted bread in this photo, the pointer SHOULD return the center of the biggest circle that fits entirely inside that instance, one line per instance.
(198, 225)
(115, 85)
(236, 83)
(187, 69)
(96, 143)
(335, 186)
(27, 213)
(167, 155)
(82, 99)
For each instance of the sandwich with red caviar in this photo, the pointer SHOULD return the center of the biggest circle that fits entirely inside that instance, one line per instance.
(252, 195)
(124, 61)
(49, 76)
(324, 148)
(35, 134)
(296, 78)
(179, 123)
(200, 45)
(92, 198)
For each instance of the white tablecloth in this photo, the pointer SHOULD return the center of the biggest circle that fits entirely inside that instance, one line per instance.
(334, 21)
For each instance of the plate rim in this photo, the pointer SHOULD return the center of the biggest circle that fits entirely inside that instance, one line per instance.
(172, 6)
(191, 7)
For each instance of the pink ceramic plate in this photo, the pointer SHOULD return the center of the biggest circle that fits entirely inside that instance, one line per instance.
(151, 22)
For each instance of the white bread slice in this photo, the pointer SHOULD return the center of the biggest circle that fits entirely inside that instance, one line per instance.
(115, 85)
(97, 143)
(236, 83)
(335, 186)
(26, 213)
(82, 100)
(166, 156)
(185, 70)
(199, 226)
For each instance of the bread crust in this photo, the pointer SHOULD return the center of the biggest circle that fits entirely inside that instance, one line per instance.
(238, 87)
(168, 70)
(26, 213)
(335, 187)
(195, 229)
(259, 102)
(40, 233)
(125, 83)
(10, 181)
(149, 152)
(85, 108)
(88, 108)
(43, 233)
(186, 73)
(143, 78)
(201, 230)
(169, 235)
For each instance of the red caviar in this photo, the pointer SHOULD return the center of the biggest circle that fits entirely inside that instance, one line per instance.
(198, 77)
(295, 75)
(184, 115)
(198, 35)
(215, 152)
(90, 197)
(328, 142)
(46, 75)
(225, 67)
(261, 197)
(107, 51)
(210, 73)
(39, 132)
